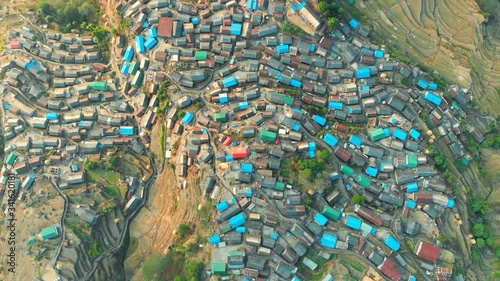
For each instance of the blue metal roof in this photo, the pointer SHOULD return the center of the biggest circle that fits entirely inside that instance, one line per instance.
(222, 206)
(312, 153)
(451, 203)
(229, 158)
(295, 83)
(412, 187)
(320, 219)
(124, 69)
(249, 193)
(330, 140)
(372, 172)
(299, 7)
(387, 132)
(313, 48)
(274, 236)
(214, 240)
(356, 141)
(126, 130)
(354, 23)
(433, 86)
(241, 229)
(379, 54)
(247, 168)
(253, 4)
(411, 204)
(237, 220)
(423, 84)
(153, 33)
(139, 44)
(320, 120)
(335, 105)
(328, 240)
(195, 20)
(151, 43)
(414, 134)
(236, 28)
(243, 105)
(392, 243)
(335, 176)
(52, 116)
(230, 82)
(312, 146)
(353, 222)
(129, 54)
(296, 127)
(363, 73)
(282, 49)
(188, 118)
(399, 134)
(435, 99)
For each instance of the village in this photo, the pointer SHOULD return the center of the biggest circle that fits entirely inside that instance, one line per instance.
(313, 148)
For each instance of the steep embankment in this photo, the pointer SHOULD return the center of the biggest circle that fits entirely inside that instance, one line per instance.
(454, 37)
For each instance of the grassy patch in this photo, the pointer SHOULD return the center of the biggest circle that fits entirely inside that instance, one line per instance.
(318, 275)
(354, 265)
(410, 245)
(98, 174)
(162, 140)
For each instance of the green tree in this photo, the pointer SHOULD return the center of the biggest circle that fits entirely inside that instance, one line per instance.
(44, 8)
(333, 21)
(490, 241)
(358, 199)
(478, 230)
(308, 202)
(480, 243)
(199, 104)
(323, 7)
(89, 165)
(180, 278)
(112, 163)
(324, 154)
(181, 114)
(443, 239)
(184, 230)
(478, 206)
(476, 255)
(194, 269)
(93, 252)
(307, 173)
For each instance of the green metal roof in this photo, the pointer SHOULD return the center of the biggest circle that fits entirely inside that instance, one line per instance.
(377, 134)
(201, 55)
(218, 268)
(137, 82)
(412, 161)
(346, 170)
(134, 66)
(268, 136)
(279, 186)
(98, 86)
(11, 159)
(49, 233)
(332, 213)
(363, 180)
(220, 117)
(288, 100)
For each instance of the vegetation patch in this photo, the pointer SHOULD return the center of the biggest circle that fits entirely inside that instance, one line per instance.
(292, 29)
(354, 265)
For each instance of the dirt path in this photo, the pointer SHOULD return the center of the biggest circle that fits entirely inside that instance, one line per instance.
(153, 230)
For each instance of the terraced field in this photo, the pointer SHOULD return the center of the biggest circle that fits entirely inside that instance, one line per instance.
(454, 37)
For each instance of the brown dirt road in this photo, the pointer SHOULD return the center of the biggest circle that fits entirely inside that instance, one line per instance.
(153, 230)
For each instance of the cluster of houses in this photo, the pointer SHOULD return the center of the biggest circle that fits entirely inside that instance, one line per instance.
(269, 96)
(59, 110)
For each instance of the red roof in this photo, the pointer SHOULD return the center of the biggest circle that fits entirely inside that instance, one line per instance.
(15, 45)
(228, 141)
(240, 152)
(390, 270)
(427, 252)
(165, 27)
